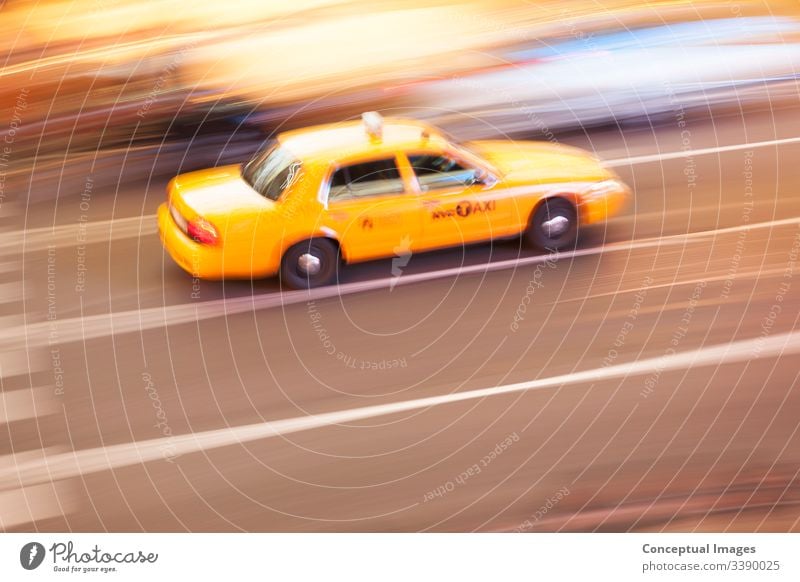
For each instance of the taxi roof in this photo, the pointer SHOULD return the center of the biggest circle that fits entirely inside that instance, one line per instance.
(351, 139)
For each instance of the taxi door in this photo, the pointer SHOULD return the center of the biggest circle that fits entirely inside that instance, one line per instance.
(373, 209)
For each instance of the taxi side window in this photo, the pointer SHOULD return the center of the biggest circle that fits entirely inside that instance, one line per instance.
(373, 178)
(439, 171)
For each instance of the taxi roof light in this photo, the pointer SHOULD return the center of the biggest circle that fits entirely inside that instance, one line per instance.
(373, 124)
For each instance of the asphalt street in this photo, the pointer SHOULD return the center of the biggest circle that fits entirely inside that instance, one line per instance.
(646, 381)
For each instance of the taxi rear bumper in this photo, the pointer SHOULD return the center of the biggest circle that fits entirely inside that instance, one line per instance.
(199, 260)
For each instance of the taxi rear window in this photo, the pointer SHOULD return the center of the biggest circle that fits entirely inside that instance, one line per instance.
(271, 172)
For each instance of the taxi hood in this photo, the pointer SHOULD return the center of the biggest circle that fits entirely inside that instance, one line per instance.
(542, 162)
(215, 192)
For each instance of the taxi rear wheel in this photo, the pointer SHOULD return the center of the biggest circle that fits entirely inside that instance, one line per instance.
(311, 263)
(554, 225)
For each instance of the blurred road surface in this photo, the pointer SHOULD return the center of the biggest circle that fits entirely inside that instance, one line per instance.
(647, 381)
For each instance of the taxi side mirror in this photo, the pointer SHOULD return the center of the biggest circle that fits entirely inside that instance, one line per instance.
(480, 176)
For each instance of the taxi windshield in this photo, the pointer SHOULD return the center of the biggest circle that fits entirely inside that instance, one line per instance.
(271, 171)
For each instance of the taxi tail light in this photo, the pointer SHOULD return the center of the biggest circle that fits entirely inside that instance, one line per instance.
(202, 231)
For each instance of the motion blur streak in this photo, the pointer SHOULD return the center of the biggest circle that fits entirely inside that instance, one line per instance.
(77, 463)
(701, 152)
(652, 372)
(90, 327)
(108, 230)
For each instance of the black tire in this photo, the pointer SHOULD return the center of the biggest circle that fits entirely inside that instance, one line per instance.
(554, 225)
(294, 275)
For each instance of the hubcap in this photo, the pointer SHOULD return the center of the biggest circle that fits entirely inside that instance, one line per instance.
(556, 226)
(308, 264)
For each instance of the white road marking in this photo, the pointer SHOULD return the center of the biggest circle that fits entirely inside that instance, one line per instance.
(31, 504)
(65, 235)
(87, 461)
(647, 159)
(14, 362)
(737, 276)
(90, 327)
(26, 403)
(21, 505)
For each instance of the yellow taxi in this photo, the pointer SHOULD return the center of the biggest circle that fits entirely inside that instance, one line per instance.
(361, 190)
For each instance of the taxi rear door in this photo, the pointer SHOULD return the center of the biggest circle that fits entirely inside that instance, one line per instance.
(373, 208)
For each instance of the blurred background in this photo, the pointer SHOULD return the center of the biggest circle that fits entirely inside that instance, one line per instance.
(113, 81)
(136, 398)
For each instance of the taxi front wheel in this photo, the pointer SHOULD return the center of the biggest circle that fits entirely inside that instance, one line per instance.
(553, 226)
(311, 263)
